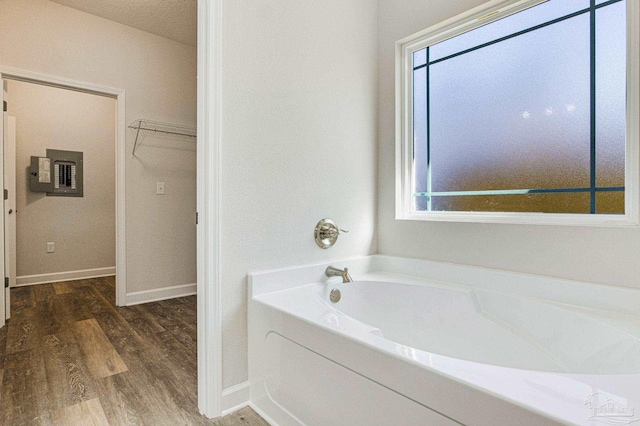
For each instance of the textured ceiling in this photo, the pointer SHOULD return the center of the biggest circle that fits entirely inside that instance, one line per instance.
(173, 19)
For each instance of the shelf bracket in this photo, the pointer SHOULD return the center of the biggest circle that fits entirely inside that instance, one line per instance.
(133, 154)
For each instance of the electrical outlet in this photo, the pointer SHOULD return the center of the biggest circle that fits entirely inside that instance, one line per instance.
(51, 247)
(160, 188)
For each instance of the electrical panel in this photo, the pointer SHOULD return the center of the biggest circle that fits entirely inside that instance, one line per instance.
(41, 174)
(58, 174)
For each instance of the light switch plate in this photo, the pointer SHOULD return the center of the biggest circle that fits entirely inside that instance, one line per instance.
(160, 188)
(51, 247)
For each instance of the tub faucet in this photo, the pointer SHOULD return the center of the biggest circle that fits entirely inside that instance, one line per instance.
(335, 272)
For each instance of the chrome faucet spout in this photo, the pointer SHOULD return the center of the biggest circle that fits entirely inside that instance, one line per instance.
(335, 272)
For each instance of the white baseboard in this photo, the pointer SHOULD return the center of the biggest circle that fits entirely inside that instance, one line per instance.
(155, 295)
(235, 398)
(263, 415)
(64, 276)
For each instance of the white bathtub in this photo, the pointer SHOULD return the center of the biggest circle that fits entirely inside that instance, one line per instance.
(425, 343)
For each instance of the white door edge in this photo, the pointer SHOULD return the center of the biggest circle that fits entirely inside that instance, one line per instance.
(208, 206)
(4, 298)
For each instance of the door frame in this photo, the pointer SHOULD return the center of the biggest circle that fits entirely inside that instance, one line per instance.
(110, 92)
(5, 293)
(9, 228)
(209, 143)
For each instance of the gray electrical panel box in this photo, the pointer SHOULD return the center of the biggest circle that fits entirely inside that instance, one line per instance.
(67, 173)
(58, 174)
(41, 174)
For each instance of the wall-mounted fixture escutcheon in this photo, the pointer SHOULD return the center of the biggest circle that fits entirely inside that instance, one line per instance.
(326, 233)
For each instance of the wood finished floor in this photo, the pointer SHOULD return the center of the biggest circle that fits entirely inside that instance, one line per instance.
(69, 356)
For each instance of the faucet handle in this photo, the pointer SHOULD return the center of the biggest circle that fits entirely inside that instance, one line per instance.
(330, 232)
(326, 233)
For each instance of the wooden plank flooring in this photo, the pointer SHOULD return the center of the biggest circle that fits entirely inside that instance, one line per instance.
(69, 356)
(85, 413)
(101, 357)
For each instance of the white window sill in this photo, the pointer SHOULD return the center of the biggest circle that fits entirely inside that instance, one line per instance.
(603, 220)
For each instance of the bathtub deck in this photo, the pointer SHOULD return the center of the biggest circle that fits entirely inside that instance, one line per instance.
(69, 356)
(443, 337)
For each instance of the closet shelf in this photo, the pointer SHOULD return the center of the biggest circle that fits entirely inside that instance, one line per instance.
(160, 127)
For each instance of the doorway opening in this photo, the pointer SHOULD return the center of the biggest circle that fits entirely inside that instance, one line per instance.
(208, 178)
(59, 185)
(69, 136)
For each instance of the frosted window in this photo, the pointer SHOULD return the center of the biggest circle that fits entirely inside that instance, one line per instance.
(512, 24)
(420, 58)
(610, 94)
(420, 129)
(610, 202)
(538, 203)
(508, 105)
(522, 124)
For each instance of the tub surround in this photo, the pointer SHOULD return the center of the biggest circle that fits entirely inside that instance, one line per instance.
(474, 346)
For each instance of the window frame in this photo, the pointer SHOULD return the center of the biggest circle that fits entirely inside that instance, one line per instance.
(467, 21)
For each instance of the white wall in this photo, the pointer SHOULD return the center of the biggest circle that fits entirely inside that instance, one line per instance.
(82, 228)
(298, 143)
(159, 76)
(603, 255)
